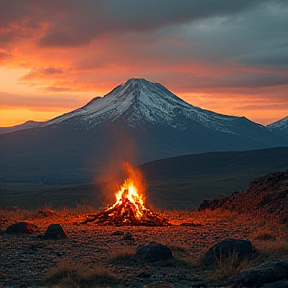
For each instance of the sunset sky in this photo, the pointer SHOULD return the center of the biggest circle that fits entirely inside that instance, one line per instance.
(228, 56)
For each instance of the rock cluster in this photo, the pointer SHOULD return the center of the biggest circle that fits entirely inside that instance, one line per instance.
(267, 195)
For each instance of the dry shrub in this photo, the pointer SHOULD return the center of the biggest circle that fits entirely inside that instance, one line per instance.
(272, 250)
(82, 208)
(15, 213)
(214, 216)
(125, 256)
(68, 274)
(265, 234)
(230, 266)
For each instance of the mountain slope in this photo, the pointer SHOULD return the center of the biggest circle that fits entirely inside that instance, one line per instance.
(185, 181)
(266, 197)
(280, 127)
(138, 121)
(27, 125)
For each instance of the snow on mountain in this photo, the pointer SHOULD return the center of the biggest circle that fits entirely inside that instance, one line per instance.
(280, 127)
(138, 101)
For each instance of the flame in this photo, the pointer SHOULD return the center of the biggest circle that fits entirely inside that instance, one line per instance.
(129, 208)
(129, 191)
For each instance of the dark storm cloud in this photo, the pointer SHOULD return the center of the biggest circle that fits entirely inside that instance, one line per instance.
(92, 19)
(73, 23)
(247, 32)
(236, 79)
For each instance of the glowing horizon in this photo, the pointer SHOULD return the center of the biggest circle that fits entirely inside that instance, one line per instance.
(223, 57)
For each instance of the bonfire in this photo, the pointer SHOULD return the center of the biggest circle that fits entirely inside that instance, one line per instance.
(129, 208)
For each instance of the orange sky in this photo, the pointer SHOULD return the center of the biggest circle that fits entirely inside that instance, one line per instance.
(224, 57)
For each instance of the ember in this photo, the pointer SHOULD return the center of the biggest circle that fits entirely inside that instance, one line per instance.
(129, 208)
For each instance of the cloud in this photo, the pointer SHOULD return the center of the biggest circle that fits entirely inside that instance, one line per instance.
(90, 19)
(40, 101)
(40, 72)
(215, 48)
(5, 56)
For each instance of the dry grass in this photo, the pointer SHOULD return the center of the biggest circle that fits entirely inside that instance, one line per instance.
(123, 257)
(68, 274)
(268, 237)
(15, 213)
(230, 266)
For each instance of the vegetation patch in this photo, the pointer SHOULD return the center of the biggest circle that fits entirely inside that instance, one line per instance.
(69, 274)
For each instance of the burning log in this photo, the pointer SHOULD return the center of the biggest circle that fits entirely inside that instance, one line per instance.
(127, 212)
(129, 208)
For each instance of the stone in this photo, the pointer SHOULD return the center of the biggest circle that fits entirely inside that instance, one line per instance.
(268, 272)
(224, 250)
(128, 236)
(21, 228)
(153, 252)
(55, 231)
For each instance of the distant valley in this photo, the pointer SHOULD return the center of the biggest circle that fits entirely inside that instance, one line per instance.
(181, 182)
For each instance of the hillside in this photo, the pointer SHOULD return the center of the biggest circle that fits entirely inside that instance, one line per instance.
(266, 196)
(174, 183)
(184, 181)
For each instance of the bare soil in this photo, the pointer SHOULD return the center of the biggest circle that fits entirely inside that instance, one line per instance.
(27, 260)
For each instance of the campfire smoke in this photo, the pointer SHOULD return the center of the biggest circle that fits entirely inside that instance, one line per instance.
(129, 208)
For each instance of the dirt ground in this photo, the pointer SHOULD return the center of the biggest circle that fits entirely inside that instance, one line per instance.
(28, 260)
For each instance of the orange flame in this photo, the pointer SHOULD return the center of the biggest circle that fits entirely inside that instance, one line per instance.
(131, 190)
(129, 208)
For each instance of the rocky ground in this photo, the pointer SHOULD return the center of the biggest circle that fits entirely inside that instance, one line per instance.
(266, 196)
(105, 256)
(27, 260)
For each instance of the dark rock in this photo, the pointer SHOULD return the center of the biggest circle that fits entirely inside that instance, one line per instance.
(190, 224)
(21, 228)
(128, 236)
(153, 252)
(277, 284)
(55, 231)
(117, 233)
(224, 250)
(268, 272)
(144, 274)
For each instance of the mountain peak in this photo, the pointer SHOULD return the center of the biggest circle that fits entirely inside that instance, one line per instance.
(141, 103)
(137, 81)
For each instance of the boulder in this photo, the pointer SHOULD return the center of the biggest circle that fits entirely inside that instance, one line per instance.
(228, 248)
(153, 252)
(55, 231)
(270, 272)
(21, 228)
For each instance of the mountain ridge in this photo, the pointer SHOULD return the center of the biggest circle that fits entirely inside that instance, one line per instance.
(137, 122)
(279, 127)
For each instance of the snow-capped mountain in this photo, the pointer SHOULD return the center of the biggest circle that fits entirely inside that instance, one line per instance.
(139, 101)
(138, 121)
(280, 127)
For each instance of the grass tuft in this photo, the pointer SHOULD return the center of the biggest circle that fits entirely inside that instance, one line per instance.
(124, 257)
(69, 274)
(230, 266)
